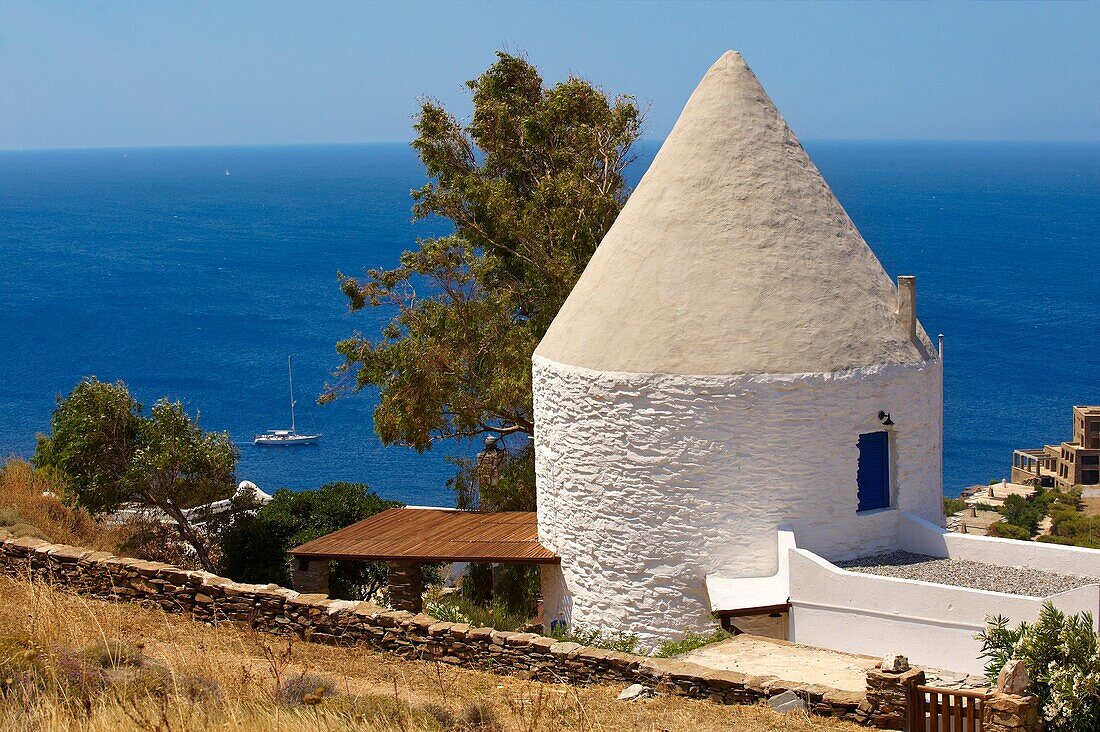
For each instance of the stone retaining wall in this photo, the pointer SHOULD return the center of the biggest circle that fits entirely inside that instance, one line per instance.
(317, 618)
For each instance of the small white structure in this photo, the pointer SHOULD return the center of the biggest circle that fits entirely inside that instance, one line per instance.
(733, 359)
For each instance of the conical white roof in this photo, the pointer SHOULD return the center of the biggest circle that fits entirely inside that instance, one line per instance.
(732, 256)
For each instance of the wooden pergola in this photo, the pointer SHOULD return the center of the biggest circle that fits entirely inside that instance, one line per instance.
(405, 538)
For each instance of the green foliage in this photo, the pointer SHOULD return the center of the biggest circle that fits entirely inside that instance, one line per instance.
(177, 464)
(111, 452)
(517, 588)
(513, 587)
(9, 516)
(94, 433)
(509, 490)
(531, 184)
(254, 548)
(458, 609)
(1005, 530)
(596, 638)
(1062, 656)
(690, 642)
(1024, 514)
(1069, 526)
(1088, 540)
(953, 505)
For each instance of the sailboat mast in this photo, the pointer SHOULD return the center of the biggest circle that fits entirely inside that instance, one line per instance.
(290, 373)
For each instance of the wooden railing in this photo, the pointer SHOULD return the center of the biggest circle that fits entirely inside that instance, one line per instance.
(946, 710)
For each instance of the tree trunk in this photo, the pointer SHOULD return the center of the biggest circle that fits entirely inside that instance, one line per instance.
(188, 533)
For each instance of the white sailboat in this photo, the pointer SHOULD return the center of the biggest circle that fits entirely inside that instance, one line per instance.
(291, 436)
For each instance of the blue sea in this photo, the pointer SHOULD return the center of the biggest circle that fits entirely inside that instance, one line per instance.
(194, 273)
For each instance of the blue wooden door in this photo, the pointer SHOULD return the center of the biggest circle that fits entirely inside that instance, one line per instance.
(873, 475)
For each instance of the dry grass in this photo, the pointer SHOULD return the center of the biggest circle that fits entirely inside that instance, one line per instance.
(34, 497)
(239, 672)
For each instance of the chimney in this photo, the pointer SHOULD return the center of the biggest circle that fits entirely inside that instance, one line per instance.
(907, 305)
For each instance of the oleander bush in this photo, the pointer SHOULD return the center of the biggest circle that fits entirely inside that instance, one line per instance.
(1063, 657)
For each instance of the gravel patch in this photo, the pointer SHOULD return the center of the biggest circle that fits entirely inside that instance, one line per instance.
(965, 573)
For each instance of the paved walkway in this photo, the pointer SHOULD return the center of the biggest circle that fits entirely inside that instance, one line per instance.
(750, 654)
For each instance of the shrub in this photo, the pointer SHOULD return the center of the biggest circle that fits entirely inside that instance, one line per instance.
(458, 609)
(953, 505)
(1023, 513)
(1005, 530)
(9, 516)
(1077, 540)
(305, 688)
(1063, 658)
(198, 689)
(690, 642)
(1074, 526)
(113, 654)
(80, 678)
(596, 638)
(479, 716)
(135, 682)
(441, 714)
(447, 611)
(26, 530)
(254, 548)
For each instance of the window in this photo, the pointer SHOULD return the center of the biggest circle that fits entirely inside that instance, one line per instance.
(873, 473)
(1090, 477)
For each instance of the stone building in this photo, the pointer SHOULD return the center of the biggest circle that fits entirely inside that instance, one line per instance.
(1074, 464)
(733, 360)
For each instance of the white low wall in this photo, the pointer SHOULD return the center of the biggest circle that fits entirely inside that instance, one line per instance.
(743, 593)
(934, 625)
(922, 537)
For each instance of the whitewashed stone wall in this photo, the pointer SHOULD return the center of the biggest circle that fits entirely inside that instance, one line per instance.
(648, 482)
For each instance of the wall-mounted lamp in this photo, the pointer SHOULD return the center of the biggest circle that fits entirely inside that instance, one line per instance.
(884, 417)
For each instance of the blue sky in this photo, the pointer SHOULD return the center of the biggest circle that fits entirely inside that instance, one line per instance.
(97, 74)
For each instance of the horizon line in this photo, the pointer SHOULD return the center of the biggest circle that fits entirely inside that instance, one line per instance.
(396, 143)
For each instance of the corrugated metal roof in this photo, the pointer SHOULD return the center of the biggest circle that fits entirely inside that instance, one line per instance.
(435, 535)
